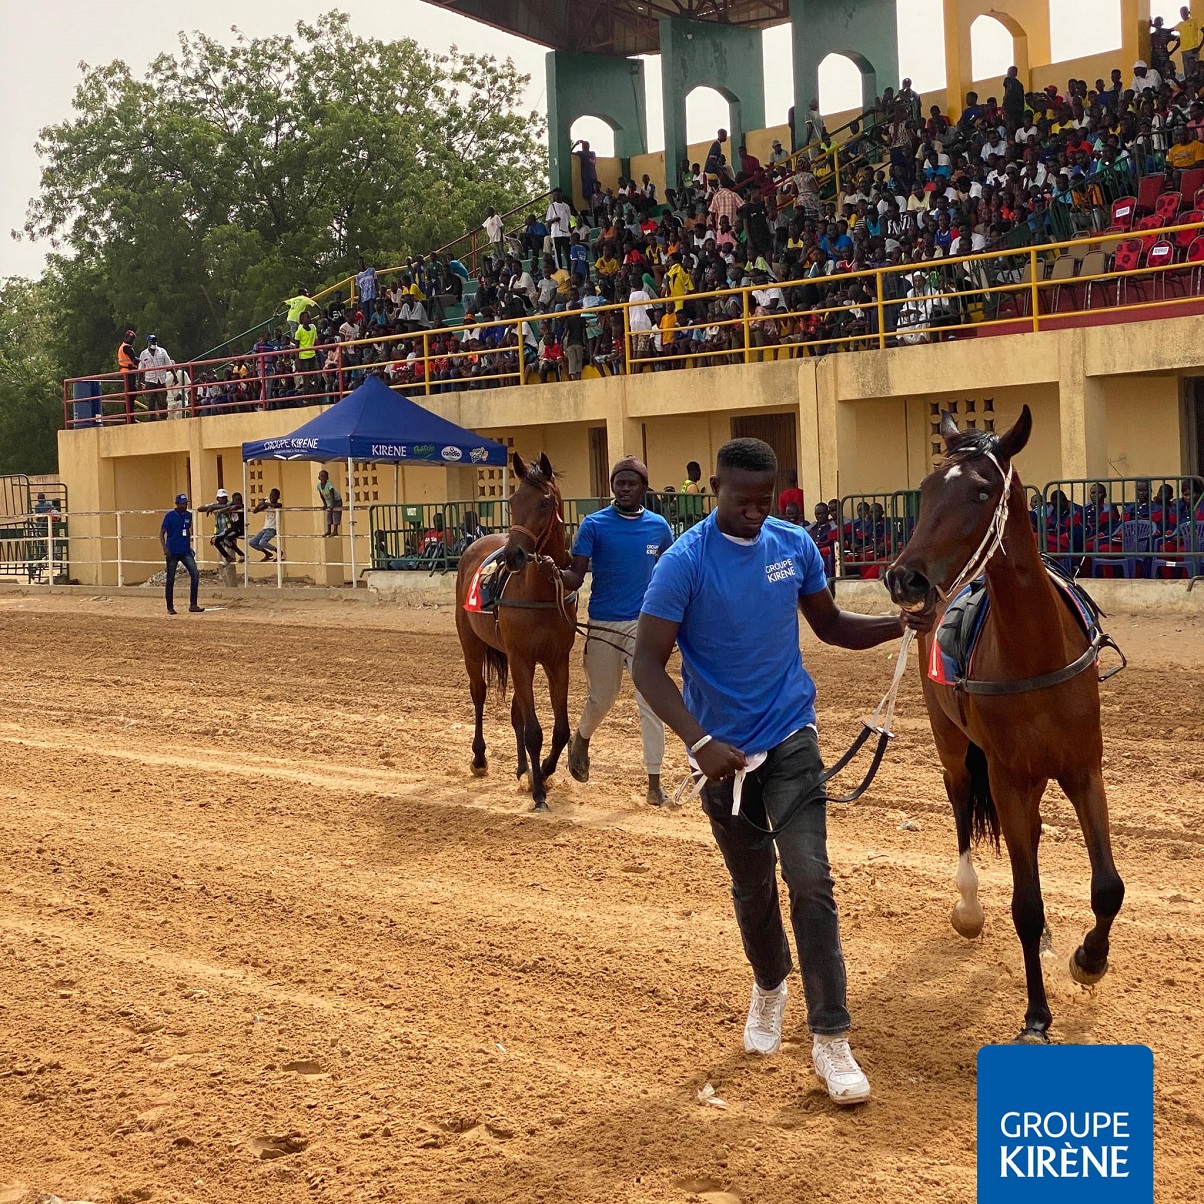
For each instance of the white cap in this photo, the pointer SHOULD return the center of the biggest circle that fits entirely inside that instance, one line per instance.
(1139, 63)
(222, 493)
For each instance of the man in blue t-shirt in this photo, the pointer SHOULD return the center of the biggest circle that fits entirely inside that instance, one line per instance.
(620, 546)
(175, 536)
(729, 592)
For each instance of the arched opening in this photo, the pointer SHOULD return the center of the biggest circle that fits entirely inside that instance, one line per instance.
(1070, 37)
(707, 110)
(992, 48)
(839, 84)
(921, 54)
(598, 132)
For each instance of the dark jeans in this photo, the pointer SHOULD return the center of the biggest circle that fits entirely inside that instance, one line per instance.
(188, 560)
(788, 775)
(561, 246)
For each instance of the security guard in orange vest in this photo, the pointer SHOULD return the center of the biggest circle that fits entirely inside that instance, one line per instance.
(127, 365)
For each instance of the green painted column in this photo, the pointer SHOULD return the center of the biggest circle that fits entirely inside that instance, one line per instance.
(700, 54)
(593, 85)
(866, 31)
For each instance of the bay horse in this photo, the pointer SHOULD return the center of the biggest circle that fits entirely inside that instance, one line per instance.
(1029, 711)
(533, 624)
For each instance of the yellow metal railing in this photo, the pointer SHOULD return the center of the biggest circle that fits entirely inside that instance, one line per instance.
(976, 293)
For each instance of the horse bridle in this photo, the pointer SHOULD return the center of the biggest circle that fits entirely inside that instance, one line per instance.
(992, 540)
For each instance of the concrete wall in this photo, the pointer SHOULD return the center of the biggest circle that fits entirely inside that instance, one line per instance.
(1105, 402)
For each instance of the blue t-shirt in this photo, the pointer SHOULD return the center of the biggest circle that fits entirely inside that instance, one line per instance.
(179, 532)
(622, 552)
(737, 610)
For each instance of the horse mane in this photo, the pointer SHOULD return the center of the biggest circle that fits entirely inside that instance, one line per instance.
(969, 445)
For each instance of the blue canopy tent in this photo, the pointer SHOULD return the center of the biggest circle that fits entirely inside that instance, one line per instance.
(376, 425)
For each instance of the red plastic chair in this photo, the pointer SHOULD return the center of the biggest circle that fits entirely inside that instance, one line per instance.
(1184, 238)
(1124, 210)
(1167, 206)
(1191, 181)
(1128, 259)
(1197, 197)
(1160, 257)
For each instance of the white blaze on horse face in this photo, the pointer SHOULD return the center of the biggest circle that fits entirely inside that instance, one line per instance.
(954, 473)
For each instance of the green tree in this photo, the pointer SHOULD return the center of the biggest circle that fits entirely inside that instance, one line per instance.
(192, 202)
(31, 387)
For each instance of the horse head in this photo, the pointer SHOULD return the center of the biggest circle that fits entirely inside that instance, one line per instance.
(536, 519)
(963, 508)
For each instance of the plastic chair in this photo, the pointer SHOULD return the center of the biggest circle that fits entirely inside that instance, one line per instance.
(1095, 263)
(1137, 535)
(1186, 537)
(1148, 191)
(1197, 201)
(1146, 227)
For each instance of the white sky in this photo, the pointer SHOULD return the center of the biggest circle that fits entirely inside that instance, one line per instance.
(44, 43)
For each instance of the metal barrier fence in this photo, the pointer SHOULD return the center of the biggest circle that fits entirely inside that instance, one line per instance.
(1151, 527)
(432, 536)
(873, 529)
(35, 546)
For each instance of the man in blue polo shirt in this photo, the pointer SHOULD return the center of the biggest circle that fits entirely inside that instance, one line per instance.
(620, 546)
(729, 592)
(175, 536)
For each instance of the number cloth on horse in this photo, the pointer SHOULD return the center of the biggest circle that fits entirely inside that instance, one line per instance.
(485, 589)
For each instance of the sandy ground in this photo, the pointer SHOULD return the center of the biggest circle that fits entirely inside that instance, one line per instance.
(263, 938)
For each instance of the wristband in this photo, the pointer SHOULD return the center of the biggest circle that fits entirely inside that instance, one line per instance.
(701, 743)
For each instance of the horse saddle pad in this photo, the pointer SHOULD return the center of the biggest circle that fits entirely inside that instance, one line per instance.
(487, 583)
(951, 657)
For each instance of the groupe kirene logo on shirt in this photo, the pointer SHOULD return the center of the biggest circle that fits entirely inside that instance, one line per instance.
(652, 549)
(781, 570)
(452, 453)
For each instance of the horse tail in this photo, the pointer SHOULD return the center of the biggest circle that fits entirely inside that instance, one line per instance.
(497, 669)
(984, 819)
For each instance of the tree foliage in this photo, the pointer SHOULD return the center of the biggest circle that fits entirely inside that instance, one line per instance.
(191, 202)
(30, 380)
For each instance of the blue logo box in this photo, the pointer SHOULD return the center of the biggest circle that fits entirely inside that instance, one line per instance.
(1065, 1124)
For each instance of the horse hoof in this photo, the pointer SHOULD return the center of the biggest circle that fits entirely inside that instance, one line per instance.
(479, 771)
(524, 783)
(1084, 977)
(967, 921)
(540, 805)
(1032, 1036)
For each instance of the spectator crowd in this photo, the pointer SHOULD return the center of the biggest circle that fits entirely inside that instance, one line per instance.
(906, 187)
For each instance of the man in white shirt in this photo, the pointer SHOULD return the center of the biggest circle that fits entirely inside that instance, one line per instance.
(153, 364)
(1144, 78)
(640, 323)
(494, 229)
(411, 316)
(559, 219)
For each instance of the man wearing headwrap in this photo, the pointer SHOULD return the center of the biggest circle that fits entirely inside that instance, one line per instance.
(620, 546)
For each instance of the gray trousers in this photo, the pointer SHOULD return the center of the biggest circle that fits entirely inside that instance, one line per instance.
(604, 675)
(789, 774)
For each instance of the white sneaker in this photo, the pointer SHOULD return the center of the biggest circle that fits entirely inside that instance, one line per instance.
(835, 1064)
(763, 1029)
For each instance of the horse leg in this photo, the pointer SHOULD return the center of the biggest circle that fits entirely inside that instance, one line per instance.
(1020, 820)
(475, 650)
(516, 721)
(522, 675)
(558, 692)
(953, 747)
(1089, 962)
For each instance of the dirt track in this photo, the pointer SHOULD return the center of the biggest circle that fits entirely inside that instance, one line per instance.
(263, 938)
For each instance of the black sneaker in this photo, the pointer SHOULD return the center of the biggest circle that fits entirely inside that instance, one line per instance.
(170, 611)
(196, 610)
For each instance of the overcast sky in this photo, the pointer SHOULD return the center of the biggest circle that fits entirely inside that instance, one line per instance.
(45, 41)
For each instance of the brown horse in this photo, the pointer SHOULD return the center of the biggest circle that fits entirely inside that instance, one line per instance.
(1031, 710)
(535, 624)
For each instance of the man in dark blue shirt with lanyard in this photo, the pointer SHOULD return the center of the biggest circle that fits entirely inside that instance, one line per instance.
(175, 536)
(620, 546)
(729, 592)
